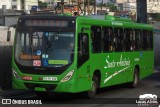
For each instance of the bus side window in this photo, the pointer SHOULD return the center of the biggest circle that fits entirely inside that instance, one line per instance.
(140, 39)
(127, 40)
(107, 39)
(132, 39)
(118, 39)
(96, 39)
(137, 40)
(151, 39)
(144, 35)
(83, 48)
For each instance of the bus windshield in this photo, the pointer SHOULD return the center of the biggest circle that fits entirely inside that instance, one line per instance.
(44, 49)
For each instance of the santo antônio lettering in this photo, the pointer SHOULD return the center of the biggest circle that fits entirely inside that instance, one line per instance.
(122, 62)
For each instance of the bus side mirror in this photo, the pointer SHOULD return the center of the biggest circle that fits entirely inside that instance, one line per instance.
(8, 36)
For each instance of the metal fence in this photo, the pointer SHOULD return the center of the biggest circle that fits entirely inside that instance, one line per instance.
(5, 57)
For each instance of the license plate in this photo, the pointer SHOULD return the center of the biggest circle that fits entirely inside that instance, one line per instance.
(50, 78)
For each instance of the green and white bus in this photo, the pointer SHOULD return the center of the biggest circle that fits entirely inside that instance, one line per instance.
(58, 53)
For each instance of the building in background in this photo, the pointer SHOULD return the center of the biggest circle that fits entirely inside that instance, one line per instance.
(25, 5)
(153, 6)
(8, 3)
(50, 3)
(126, 5)
(153, 10)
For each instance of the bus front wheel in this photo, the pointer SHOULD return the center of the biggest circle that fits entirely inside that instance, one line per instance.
(92, 92)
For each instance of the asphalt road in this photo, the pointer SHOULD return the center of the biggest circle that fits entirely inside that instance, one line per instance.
(119, 95)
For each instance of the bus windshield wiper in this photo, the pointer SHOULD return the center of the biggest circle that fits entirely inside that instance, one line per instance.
(53, 38)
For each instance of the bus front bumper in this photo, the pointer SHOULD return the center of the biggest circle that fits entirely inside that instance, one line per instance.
(68, 86)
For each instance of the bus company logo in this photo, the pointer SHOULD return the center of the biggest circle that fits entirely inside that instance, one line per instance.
(147, 100)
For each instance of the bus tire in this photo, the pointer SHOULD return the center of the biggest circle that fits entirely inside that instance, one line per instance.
(135, 81)
(92, 93)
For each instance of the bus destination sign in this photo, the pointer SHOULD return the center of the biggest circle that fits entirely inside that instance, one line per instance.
(46, 23)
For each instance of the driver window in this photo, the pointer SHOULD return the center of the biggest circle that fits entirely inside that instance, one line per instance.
(83, 48)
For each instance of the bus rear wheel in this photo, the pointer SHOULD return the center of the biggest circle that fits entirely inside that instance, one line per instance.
(92, 92)
(135, 81)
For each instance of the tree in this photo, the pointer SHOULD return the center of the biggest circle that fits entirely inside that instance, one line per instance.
(154, 16)
(42, 4)
(111, 7)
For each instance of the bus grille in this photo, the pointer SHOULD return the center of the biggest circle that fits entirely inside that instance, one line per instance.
(48, 87)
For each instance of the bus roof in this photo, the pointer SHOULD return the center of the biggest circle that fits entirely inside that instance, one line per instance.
(113, 21)
(47, 16)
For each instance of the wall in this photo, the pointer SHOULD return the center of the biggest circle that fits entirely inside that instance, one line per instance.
(28, 4)
(5, 57)
(7, 3)
(11, 20)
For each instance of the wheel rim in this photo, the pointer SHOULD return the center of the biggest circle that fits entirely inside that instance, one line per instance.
(135, 79)
(93, 90)
(94, 87)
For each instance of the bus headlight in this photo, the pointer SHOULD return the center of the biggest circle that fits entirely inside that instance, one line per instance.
(68, 76)
(15, 74)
